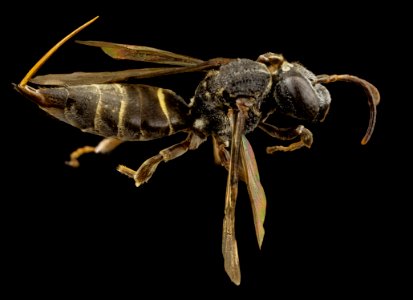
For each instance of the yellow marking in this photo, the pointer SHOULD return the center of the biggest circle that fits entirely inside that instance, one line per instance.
(286, 66)
(49, 53)
(162, 103)
(122, 130)
(122, 109)
(98, 120)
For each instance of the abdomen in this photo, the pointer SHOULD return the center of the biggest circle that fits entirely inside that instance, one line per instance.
(125, 111)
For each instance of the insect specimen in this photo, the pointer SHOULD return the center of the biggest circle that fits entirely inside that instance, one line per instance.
(235, 97)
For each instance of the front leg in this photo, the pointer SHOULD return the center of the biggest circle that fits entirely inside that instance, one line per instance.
(222, 157)
(305, 135)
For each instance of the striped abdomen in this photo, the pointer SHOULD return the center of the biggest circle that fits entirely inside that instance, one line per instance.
(126, 111)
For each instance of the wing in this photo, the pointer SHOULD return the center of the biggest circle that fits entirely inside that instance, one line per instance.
(255, 189)
(229, 242)
(181, 64)
(143, 53)
(79, 78)
(121, 51)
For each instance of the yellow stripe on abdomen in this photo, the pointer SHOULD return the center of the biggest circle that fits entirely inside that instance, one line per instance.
(162, 104)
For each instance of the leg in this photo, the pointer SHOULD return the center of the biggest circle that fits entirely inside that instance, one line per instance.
(146, 170)
(305, 135)
(222, 157)
(221, 154)
(105, 146)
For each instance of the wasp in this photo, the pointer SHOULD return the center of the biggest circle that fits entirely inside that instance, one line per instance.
(235, 97)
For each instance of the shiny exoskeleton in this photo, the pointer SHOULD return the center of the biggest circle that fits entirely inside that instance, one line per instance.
(136, 112)
(292, 90)
(129, 112)
(235, 97)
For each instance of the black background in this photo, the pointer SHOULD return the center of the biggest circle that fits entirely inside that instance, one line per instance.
(335, 211)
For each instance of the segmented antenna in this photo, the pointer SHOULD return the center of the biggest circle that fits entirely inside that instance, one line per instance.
(49, 53)
(373, 97)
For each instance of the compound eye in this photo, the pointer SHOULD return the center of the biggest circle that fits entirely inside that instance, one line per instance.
(296, 97)
(300, 89)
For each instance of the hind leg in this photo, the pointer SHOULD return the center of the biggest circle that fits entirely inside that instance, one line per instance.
(105, 146)
(146, 170)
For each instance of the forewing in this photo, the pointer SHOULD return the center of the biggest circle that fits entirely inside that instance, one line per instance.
(182, 63)
(143, 53)
(78, 78)
(255, 189)
(229, 242)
